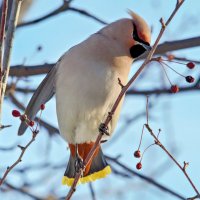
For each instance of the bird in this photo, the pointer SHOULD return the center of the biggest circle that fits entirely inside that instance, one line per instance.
(85, 84)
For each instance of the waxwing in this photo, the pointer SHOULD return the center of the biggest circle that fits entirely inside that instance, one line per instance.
(85, 82)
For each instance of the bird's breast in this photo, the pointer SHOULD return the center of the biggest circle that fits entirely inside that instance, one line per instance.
(84, 96)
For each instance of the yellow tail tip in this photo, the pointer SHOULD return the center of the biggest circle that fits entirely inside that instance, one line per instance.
(92, 177)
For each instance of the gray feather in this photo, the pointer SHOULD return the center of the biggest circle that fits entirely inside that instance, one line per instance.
(44, 93)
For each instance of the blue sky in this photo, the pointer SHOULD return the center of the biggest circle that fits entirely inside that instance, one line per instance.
(177, 115)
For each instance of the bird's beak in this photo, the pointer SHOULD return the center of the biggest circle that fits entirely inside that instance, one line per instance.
(147, 47)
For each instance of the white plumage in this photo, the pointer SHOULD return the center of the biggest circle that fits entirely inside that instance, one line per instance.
(87, 86)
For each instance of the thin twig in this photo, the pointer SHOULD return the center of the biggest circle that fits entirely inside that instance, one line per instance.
(123, 91)
(63, 8)
(92, 191)
(8, 148)
(183, 169)
(147, 111)
(23, 191)
(23, 150)
(185, 164)
(193, 198)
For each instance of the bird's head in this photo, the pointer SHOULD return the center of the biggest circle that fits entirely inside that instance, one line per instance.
(133, 35)
(141, 36)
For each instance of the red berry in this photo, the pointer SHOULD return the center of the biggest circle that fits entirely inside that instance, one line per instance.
(42, 106)
(139, 166)
(31, 123)
(16, 113)
(174, 89)
(190, 65)
(137, 154)
(189, 79)
(170, 57)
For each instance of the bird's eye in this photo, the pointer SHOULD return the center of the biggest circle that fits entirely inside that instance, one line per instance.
(137, 50)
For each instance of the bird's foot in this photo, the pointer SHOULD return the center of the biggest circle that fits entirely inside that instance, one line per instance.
(79, 164)
(103, 129)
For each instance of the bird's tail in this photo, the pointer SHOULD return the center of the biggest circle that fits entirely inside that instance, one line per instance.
(97, 168)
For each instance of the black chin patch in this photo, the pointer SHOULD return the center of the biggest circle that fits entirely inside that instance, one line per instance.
(137, 50)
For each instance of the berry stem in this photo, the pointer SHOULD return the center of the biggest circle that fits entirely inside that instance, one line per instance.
(38, 122)
(174, 61)
(172, 69)
(146, 150)
(165, 73)
(147, 112)
(141, 137)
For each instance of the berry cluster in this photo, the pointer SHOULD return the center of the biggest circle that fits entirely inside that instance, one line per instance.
(24, 118)
(137, 153)
(189, 65)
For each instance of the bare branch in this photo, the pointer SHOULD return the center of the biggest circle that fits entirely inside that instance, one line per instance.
(161, 91)
(183, 169)
(23, 191)
(23, 150)
(63, 8)
(87, 14)
(20, 70)
(92, 191)
(8, 148)
(193, 198)
(185, 164)
(8, 48)
(178, 45)
(2, 35)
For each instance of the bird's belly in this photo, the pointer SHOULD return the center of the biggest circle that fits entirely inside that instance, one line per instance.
(84, 101)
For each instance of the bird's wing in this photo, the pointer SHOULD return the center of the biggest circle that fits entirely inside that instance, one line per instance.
(44, 93)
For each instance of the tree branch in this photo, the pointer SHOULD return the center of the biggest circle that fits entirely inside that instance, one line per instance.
(183, 169)
(2, 35)
(22, 190)
(8, 48)
(23, 150)
(63, 8)
(92, 191)
(20, 70)
(162, 91)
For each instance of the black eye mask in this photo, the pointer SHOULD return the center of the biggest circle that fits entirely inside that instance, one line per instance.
(137, 50)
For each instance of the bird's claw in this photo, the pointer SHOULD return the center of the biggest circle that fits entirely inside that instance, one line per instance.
(79, 164)
(103, 129)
